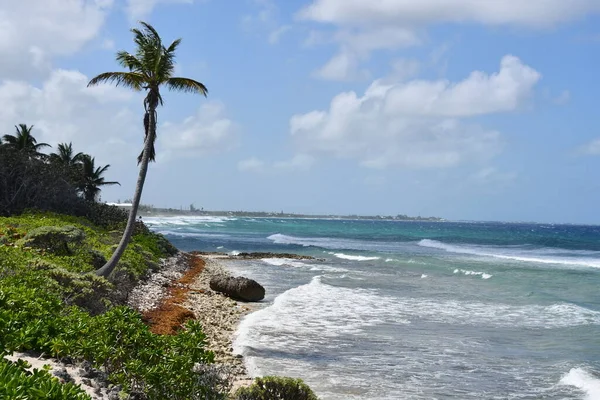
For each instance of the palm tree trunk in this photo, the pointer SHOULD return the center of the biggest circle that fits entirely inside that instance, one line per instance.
(108, 268)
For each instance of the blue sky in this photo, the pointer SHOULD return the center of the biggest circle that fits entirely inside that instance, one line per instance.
(461, 109)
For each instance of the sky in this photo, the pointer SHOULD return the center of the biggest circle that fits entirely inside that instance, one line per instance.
(462, 109)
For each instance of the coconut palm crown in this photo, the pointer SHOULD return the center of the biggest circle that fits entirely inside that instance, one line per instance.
(91, 178)
(23, 140)
(151, 67)
(65, 155)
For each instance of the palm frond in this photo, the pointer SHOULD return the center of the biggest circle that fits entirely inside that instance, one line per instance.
(186, 85)
(129, 61)
(100, 170)
(173, 46)
(10, 139)
(41, 145)
(150, 31)
(133, 80)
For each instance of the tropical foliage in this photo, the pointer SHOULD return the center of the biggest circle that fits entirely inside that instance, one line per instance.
(91, 178)
(66, 155)
(151, 67)
(275, 388)
(24, 141)
(51, 302)
(55, 182)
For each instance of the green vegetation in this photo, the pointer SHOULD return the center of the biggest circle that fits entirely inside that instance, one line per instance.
(16, 382)
(61, 182)
(24, 141)
(51, 302)
(275, 388)
(59, 297)
(150, 68)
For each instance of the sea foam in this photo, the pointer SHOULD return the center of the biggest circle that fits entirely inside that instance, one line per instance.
(318, 312)
(475, 273)
(332, 243)
(584, 381)
(287, 262)
(543, 256)
(354, 258)
(185, 220)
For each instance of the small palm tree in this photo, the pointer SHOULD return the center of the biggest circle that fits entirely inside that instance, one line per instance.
(22, 140)
(150, 68)
(91, 178)
(64, 155)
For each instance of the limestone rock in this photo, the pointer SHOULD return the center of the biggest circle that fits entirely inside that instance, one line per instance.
(238, 288)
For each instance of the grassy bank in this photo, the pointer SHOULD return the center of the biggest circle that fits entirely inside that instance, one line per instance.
(52, 303)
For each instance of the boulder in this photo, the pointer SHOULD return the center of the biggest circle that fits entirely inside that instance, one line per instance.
(238, 288)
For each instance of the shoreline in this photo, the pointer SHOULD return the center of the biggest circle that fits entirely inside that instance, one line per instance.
(218, 314)
(182, 284)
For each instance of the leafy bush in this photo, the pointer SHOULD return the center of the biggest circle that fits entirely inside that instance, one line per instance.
(54, 304)
(27, 182)
(16, 382)
(117, 342)
(111, 217)
(276, 388)
(55, 239)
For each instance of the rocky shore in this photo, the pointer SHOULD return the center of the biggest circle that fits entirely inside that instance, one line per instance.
(256, 256)
(218, 314)
(182, 284)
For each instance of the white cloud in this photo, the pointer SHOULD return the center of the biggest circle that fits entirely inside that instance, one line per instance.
(63, 109)
(355, 47)
(492, 176)
(300, 162)
(137, 9)
(367, 26)
(209, 131)
(275, 36)
(385, 37)
(106, 121)
(266, 20)
(33, 31)
(416, 123)
(480, 93)
(252, 164)
(108, 44)
(403, 69)
(531, 13)
(562, 98)
(344, 66)
(592, 148)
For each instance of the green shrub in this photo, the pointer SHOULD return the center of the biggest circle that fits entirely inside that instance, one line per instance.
(16, 382)
(110, 217)
(55, 239)
(54, 304)
(117, 342)
(276, 388)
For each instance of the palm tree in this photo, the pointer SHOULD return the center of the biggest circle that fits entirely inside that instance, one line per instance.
(64, 155)
(150, 68)
(24, 141)
(91, 178)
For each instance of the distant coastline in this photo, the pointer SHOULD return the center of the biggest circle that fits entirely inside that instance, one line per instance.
(157, 212)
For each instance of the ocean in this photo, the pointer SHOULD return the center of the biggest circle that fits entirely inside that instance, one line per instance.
(416, 310)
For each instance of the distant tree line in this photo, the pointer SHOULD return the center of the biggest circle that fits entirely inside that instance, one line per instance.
(63, 181)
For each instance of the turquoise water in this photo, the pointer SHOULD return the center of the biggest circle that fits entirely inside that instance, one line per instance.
(413, 310)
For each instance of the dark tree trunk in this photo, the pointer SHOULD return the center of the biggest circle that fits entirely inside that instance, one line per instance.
(108, 268)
